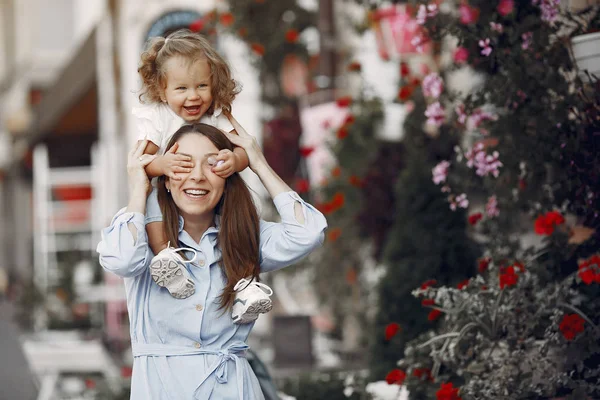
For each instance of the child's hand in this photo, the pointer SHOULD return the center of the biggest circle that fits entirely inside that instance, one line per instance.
(172, 163)
(224, 163)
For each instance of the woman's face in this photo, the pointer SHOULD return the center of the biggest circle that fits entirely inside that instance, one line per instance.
(198, 192)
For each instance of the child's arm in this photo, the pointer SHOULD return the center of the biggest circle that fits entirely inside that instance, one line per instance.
(168, 164)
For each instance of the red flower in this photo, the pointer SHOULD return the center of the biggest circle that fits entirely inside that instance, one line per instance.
(422, 372)
(302, 186)
(291, 35)
(508, 277)
(197, 25)
(545, 224)
(391, 330)
(356, 181)
(258, 48)
(226, 19)
(589, 270)
(336, 172)
(571, 326)
(349, 119)
(427, 302)
(474, 218)
(447, 392)
(428, 283)
(463, 284)
(306, 151)
(335, 204)
(505, 7)
(354, 66)
(519, 265)
(405, 92)
(342, 133)
(434, 314)
(395, 377)
(468, 14)
(404, 70)
(243, 31)
(334, 234)
(126, 371)
(461, 55)
(483, 264)
(344, 101)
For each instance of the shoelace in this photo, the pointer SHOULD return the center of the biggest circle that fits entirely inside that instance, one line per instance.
(183, 249)
(246, 282)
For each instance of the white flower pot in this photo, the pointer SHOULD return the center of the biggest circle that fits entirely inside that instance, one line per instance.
(586, 52)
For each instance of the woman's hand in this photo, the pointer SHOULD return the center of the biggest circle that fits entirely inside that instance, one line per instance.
(247, 142)
(257, 162)
(139, 183)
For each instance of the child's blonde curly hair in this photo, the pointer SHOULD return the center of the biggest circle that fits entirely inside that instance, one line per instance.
(193, 47)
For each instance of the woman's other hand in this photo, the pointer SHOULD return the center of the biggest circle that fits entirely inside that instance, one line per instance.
(248, 142)
(139, 183)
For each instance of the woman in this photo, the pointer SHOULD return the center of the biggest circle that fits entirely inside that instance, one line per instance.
(191, 349)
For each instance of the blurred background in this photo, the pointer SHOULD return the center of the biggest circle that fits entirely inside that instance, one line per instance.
(332, 90)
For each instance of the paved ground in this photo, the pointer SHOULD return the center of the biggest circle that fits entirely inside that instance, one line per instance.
(16, 381)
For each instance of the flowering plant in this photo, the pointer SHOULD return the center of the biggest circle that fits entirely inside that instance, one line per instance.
(527, 168)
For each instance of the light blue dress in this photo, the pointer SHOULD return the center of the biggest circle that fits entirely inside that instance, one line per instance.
(188, 349)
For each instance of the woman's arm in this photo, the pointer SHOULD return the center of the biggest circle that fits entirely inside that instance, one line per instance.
(123, 249)
(302, 226)
(258, 164)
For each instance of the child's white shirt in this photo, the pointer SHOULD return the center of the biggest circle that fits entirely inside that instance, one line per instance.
(156, 122)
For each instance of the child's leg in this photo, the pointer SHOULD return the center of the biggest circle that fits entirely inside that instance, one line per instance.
(167, 268)
(157, 239)
(251, 299)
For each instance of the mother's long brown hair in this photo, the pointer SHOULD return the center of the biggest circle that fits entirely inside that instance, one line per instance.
(238, 237)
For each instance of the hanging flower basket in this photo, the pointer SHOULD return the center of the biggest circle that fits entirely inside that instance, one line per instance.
(586, 52)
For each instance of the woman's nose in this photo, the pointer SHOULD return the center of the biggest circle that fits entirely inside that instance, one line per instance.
(197, 173)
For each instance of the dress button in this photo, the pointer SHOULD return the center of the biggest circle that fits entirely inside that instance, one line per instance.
(201, 263)
(197, 345)
(199, 307)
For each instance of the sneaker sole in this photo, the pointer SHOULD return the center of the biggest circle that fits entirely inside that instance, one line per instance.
(170, 275)
(245, 319)
(260, 307)
(251, 314)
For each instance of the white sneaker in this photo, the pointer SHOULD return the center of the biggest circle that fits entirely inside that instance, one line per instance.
(168, 270)
(251, 299)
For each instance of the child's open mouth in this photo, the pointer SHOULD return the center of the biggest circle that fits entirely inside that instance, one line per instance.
(192, 110)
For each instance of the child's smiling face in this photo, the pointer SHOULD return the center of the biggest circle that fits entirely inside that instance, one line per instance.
(188, 90)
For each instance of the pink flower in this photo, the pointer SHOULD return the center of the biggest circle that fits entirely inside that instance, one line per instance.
(486, 49)
(505, 7)
(485, 164)
(468, 14)
(425, 12)
(440, 172)
(433, 85)
(478, 117)
(491, 207)
(496, 27)
(419, 41)
(460, 112)
(459, 201)
(549, 9)
(527, 38)
(461, 55)
(435, 114)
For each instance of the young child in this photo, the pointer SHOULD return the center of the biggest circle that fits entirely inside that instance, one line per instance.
(184, 80)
